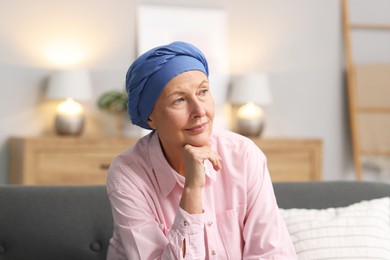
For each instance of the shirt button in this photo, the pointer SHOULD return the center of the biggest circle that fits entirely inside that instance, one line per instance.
(213, 253)
(210, 223)
(185, 223)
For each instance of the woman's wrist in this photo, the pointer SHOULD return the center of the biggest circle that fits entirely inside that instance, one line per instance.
(191, 200)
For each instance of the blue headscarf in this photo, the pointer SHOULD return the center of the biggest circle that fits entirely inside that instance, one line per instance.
(150, 73)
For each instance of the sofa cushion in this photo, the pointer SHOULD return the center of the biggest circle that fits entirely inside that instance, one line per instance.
(325, 194)
(358, 231)
(54, 222)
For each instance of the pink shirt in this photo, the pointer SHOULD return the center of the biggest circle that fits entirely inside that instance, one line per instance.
(240, 220)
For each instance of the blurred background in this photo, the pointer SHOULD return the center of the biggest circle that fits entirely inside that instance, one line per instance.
(298, 44)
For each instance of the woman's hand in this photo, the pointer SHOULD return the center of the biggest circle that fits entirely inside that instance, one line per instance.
(194, 158)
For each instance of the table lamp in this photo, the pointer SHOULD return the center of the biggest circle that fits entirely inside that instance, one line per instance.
(70, 86)
(250, 92)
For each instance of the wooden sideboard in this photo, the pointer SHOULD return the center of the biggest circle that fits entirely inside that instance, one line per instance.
(56, 160)
(293, 159)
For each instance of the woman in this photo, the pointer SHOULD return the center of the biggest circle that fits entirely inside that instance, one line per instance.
(185, 191)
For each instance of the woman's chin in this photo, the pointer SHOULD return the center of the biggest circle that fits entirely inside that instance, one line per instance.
(199, 141)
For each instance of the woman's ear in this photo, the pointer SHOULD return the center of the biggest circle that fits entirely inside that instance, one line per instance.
(151, 123)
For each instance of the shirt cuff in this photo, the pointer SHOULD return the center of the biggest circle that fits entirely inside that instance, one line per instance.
(189, 224)
(190, 228)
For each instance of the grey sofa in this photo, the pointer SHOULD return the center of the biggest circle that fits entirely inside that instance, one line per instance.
(75, 222)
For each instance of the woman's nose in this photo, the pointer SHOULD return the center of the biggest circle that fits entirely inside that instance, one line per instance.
(198, 109)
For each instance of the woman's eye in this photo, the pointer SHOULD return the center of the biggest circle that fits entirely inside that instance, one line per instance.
(203, 92)
(179, 100)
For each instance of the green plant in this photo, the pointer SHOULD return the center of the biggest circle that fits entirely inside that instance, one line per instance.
(113, 101)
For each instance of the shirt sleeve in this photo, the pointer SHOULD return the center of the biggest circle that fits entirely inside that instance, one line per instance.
(265, 233)
(141, 235)
(189, 227)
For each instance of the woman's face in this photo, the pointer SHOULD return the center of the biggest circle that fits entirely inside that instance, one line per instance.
(184, 111)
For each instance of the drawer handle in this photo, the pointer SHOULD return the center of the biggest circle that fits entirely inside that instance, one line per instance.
(104, 166)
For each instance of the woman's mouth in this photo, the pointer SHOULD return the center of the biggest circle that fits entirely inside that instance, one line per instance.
(197, 128)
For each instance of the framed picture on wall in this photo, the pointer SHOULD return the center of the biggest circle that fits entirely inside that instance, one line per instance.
(206, 28)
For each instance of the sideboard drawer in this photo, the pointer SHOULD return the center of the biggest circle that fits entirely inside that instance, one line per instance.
(88, 168)
(290, 166)
(59, 160)
(292, 159)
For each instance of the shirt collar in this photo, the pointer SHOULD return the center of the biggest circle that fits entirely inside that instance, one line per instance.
(164, 173)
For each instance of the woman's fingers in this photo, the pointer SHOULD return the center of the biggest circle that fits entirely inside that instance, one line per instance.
(199, 154)
(216, 162)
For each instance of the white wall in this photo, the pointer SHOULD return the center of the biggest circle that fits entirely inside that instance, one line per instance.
(299, 43)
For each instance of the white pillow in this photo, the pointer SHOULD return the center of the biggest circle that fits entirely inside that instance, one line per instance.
(358, 231)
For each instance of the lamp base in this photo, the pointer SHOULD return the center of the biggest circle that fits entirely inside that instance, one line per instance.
(250, 127)
(66, 125)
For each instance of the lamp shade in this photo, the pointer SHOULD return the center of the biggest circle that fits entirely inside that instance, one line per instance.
(251, 88)
(74, 84)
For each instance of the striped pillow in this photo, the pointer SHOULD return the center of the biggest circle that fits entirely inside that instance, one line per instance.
(358, 231)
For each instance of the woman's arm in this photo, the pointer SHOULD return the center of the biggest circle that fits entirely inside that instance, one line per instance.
(142, 236)
(191, 199)
(194, 157)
